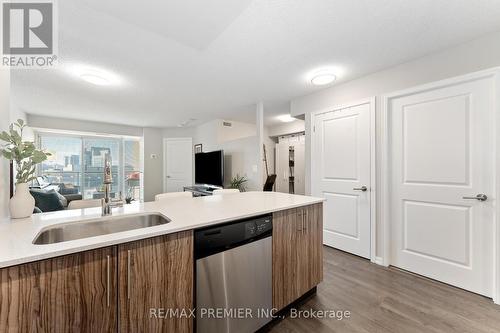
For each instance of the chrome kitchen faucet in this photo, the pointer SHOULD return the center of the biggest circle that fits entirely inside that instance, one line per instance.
(107, 203)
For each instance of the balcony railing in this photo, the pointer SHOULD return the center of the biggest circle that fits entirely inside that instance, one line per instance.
(92, 186)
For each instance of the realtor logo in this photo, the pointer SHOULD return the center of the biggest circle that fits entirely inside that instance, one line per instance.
(28, 36)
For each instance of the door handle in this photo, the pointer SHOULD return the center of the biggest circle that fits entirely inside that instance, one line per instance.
(168, 176)
(480, 197)
(362, 188)
(302, 221)
(304, 218)
(108, 279)
(128, 273)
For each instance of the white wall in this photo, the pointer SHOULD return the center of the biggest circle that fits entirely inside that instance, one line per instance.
(4, 124)
(241, 157)
(237, 130)
(241, 152)
(482, 53)
(473, 56)
(259, 121)
(270, 152)
(179, 132)
(295, 126)
(239, 142)
(82, 126)
(153, 167)
(215, 132)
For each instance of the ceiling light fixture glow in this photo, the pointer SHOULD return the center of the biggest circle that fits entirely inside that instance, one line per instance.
(286, 118)
(95, 79)
(94, 75)
(323, 77)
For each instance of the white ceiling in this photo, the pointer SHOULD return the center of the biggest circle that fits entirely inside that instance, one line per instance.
(215, 59)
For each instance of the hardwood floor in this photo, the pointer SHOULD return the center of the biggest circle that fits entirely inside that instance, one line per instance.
(389, 300)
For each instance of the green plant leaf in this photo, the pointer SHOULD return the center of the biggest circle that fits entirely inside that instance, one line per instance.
(38, 156)
(7, 154)
(24, 153)
(16, 138)
(4, 136)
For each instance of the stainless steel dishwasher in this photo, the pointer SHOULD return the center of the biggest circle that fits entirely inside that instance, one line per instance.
(234, 276)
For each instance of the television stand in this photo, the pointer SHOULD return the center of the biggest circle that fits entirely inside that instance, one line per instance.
(200, 191)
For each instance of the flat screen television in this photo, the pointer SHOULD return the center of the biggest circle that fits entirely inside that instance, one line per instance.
(209, 168)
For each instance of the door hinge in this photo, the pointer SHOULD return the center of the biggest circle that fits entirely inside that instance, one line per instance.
(314, 129)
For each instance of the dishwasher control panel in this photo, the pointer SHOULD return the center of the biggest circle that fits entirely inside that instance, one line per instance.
(258, 227)
(217, 238)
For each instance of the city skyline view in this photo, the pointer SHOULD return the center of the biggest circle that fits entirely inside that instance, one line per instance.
(80, 171)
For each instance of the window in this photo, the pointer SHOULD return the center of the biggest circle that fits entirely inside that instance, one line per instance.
(94, 154)
(64, 166)
(132, 166)
(77, 164)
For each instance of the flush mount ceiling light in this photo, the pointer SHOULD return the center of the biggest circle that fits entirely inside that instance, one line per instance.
(286, 118)
(94, 75)
(323, 77)
(95, 79)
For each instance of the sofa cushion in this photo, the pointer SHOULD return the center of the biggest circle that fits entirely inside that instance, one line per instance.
(62, 198)
(47, 201)
(72, 197)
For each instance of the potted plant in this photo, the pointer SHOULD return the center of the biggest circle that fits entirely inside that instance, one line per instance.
(238, 182)
(26, 157)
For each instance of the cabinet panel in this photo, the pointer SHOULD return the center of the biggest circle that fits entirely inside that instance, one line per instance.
(311, 253)
(65, 294)
(286, 232)
(156, 273)
(297, 253)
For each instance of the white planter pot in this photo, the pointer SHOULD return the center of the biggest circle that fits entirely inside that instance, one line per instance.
(22, 203)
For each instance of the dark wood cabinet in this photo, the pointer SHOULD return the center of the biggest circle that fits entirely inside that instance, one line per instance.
(297, 253)
(311, 248)
(156, 276)
(73, 293)
(112, 289)
(285, 257)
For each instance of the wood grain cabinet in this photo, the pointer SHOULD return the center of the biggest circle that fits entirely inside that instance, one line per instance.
(297, 253)
(73, 293)
(156, 276)
(112, 289)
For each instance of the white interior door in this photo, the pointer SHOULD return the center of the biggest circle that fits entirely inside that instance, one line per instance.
(341, 162)
(442, 149)
(178, 164)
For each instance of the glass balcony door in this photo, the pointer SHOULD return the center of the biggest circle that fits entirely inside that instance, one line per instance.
(77, 165)
(63, 167)
(94, 153)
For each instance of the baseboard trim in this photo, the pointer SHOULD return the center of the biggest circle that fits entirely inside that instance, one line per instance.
(378, 261)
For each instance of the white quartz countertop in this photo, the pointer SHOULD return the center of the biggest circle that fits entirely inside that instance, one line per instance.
(16, 236)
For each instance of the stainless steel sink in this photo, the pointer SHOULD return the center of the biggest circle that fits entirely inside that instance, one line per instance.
(103, 226)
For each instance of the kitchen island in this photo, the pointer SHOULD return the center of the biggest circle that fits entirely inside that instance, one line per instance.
(110, 282)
